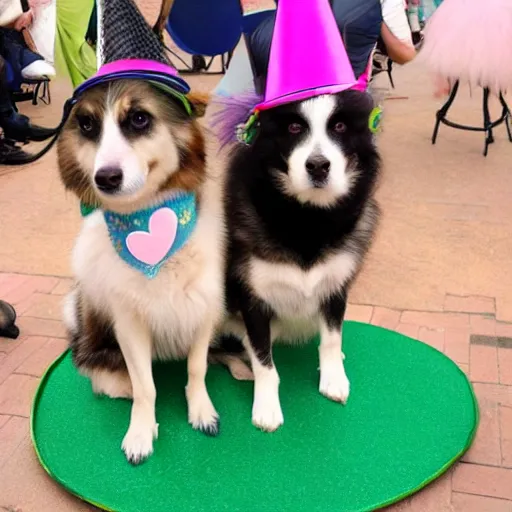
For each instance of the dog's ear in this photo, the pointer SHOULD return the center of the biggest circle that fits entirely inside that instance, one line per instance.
(199, 100)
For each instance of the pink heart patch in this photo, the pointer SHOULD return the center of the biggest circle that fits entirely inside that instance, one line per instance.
(151, 247)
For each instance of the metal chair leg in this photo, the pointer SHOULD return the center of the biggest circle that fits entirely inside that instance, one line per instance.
(230, 56)
(36, 93)
(507, 124)
(489, 137)
(390, 73)
(506, 114)
(208, 66)
(441, 113)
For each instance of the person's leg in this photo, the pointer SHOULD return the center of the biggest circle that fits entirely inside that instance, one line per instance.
(16, 126)
(5, 100)
(9, 152)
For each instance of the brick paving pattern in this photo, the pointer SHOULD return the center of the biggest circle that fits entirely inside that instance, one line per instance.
(466, 331)
(464, 327)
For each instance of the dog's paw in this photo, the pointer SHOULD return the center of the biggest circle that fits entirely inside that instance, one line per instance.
(138, 442)
(268, 415)
(334, 383)
(202, 414)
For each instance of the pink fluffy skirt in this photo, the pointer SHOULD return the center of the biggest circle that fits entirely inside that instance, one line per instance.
(471, 41)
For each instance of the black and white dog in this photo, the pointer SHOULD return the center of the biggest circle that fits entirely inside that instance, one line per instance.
(301, 217)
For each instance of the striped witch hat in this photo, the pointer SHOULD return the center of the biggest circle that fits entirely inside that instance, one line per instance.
(128, 48)
(123, 33)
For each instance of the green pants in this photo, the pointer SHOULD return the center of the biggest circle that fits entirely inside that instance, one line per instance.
(73, 55)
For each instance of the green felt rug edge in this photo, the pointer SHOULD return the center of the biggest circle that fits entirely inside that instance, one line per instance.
(469, 441)
(441, 471)
(35, 402)
(450, 463)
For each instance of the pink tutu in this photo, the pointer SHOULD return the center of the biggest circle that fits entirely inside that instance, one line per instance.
(471, 41)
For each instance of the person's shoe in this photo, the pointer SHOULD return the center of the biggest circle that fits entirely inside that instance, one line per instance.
(18, 127)
(8, 328)
(10, 154)
(40, 133)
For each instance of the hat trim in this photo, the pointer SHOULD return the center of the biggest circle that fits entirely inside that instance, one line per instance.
(305, 94)
(173, 85)
(174, 81)
(136, 65)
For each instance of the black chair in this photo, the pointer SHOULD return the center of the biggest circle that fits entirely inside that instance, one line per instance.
(28, 89)
(488, 124)
(382, 63)
(205, 28)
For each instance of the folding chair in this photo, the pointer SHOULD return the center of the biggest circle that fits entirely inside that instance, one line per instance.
(205, 28)
(382, 62)
(28, 89)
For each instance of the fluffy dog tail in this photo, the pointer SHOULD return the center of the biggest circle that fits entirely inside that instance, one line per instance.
(229, 351)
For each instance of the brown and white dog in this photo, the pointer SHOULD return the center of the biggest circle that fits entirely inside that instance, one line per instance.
(125, 147)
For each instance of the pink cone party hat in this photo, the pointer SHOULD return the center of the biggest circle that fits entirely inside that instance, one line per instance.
(307, 59)
(307, 56)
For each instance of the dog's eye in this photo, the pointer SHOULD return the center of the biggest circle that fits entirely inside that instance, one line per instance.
(295, 128)
(340, 127)
(140, 121)
(88, 125)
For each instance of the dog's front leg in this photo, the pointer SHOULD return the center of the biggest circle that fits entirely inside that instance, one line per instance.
(134, 338)
(201, 412)
(334, 383)
(266, 410)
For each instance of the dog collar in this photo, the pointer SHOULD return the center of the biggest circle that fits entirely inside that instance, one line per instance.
(147, 238)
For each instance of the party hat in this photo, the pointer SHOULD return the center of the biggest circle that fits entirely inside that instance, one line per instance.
(307, 55)
(125, 34)
(307, 59)
(128, 48)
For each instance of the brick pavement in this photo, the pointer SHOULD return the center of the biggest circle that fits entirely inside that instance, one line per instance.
(464, 327)
(466, 331)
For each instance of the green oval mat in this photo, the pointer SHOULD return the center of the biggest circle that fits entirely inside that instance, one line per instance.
(410, 415)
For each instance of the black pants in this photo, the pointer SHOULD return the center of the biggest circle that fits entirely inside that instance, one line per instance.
(6, 106)
(5, 99)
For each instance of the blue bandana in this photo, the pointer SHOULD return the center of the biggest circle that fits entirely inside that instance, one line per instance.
(146, 239)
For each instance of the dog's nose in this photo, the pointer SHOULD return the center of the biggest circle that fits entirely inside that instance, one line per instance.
(318, 168)
(109, 179)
